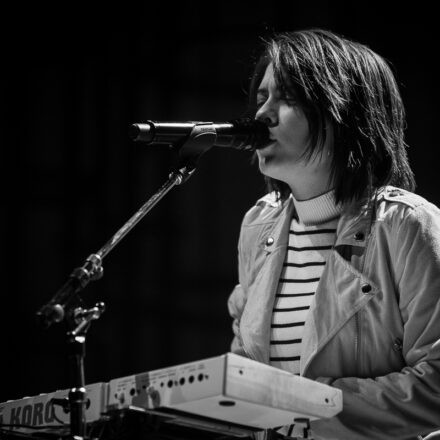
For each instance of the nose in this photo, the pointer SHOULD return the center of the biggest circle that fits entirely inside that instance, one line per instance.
(267, 115)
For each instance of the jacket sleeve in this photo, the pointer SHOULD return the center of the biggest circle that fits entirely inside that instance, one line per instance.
(246, 250)
(237, 299)
(406, 403)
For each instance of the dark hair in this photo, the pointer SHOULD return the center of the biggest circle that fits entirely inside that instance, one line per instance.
(346, 83)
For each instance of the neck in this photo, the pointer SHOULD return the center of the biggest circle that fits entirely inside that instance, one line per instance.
(310, 186)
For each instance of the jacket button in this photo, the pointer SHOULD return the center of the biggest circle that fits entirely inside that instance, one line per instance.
(359, 236)
(366, 288)
(269, 241)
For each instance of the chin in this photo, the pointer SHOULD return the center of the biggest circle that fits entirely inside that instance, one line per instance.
(269, 170)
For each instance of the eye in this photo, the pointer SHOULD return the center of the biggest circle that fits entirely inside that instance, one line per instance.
(289, 99)
(287, 96)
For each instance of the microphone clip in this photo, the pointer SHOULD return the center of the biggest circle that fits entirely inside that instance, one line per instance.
(202, 138)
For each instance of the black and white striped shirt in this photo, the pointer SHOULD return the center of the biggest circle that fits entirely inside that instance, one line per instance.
(311, 239)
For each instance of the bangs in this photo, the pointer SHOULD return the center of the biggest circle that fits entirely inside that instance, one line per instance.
(290, 81)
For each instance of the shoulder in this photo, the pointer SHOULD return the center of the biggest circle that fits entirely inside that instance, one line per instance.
(266, 210)
(397, 207)
(392, 195)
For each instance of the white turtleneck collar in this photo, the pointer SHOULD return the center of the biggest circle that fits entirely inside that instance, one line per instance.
(318, 210)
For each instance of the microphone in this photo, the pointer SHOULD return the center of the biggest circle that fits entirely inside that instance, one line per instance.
(242, 134)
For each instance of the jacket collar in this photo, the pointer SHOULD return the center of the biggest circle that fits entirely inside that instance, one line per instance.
(353, 228)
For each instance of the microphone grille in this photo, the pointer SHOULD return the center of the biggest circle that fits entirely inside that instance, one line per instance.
(257, 131)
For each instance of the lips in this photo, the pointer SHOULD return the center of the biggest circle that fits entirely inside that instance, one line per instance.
(267, 148)
(266, 143)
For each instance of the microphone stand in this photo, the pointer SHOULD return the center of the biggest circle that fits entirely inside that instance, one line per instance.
(76, 340)
(200, 140)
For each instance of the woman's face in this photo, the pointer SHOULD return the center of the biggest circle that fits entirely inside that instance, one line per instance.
(284, 159)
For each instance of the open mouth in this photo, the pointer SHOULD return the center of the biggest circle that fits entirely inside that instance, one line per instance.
(267, 148)
(267, 142)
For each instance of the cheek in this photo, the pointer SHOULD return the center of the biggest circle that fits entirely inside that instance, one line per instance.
(294, 124)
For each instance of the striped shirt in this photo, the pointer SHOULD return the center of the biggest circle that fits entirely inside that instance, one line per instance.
(311, 238)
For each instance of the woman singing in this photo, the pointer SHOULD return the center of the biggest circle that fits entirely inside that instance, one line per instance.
(339, 264)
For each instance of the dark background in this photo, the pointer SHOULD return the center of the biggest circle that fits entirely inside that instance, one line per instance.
(73, 78)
